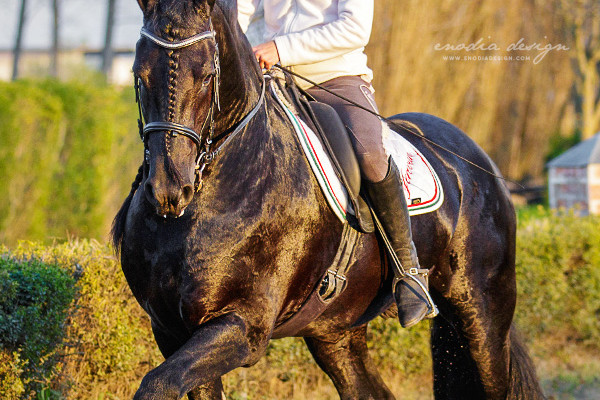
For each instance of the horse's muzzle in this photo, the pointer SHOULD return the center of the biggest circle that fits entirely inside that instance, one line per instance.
(168, 200)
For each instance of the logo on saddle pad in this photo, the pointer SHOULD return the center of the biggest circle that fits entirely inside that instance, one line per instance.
(422, 186)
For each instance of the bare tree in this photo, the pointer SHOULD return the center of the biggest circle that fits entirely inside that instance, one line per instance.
(55, 39)
(583, 28)
(107, 53)
(19, 40)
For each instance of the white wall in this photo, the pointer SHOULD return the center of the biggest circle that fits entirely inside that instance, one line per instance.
(568, 188)
(594, 188)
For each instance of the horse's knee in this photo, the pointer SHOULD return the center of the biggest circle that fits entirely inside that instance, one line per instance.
(153, 387)
(257, 349)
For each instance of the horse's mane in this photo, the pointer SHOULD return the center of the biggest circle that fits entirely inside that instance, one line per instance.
(118, 227)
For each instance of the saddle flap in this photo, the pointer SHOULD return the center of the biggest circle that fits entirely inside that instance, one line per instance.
(336, 139)
(331, 133)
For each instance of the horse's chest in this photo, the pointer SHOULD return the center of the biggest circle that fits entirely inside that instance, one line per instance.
(178, 288)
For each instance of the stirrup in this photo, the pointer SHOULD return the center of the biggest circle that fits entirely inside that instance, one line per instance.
(412, 274)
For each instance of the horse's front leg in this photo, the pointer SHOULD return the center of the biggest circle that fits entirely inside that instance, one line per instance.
(168, 345)
(217, 347)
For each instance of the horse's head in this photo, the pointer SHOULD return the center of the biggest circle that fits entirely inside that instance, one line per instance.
(176, 71)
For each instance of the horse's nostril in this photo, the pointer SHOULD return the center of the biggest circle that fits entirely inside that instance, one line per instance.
(187, 193)
(170, 199)
(149, 189)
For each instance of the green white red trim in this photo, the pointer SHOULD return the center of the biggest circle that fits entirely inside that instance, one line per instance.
(332, 188)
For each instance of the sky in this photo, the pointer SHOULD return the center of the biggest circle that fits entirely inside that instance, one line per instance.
(82, 24)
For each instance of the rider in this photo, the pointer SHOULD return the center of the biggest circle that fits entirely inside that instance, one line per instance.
(324, 41)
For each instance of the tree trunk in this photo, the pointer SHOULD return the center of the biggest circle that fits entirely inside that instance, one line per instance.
(55, 40)
(107, 53)
(19, 40)
(590, 106)
(583, 24)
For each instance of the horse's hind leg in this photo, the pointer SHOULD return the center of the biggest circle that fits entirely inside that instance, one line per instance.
(454, 369)
(473, 356)
(344, 357)
(471, 346)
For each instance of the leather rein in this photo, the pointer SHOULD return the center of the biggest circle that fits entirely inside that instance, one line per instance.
(205, 155)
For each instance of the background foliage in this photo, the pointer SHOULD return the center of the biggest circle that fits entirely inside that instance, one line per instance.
(108, 346)
(68, 153)
(512, 108)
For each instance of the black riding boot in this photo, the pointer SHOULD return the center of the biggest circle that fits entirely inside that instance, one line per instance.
(410, 286)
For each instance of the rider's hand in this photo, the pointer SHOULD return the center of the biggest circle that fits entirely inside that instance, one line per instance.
(266, 54)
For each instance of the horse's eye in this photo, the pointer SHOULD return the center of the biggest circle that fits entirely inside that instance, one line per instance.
(206, 80)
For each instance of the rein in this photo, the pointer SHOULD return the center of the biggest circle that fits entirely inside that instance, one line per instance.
(418, 134)
(204, 153)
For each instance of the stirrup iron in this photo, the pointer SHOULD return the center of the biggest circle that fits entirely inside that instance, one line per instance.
(411, 274)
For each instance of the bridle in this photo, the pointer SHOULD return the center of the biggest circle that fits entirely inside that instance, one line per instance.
(204, 153)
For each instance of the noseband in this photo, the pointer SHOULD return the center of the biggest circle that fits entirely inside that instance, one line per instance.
(204, 154)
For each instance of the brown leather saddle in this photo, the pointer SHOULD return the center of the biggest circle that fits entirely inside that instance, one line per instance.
(333, 134)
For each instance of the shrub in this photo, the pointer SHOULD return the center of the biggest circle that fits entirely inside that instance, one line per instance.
(58, 167)
(558, 275)
(34, 299)
(30, 134)
(108, 345)
(11, 375)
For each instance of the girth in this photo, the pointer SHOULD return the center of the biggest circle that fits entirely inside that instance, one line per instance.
(330, 286)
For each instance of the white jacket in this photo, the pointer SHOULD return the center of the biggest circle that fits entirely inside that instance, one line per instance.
(319, 39)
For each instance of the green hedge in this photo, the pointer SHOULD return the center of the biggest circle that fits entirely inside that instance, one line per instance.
(68, 154)
(34, 299)
(108, 345)
(558, 271)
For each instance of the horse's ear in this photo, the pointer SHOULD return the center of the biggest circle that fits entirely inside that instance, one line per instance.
(145, 4)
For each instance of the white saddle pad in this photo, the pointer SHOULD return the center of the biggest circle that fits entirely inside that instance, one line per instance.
(422, 186)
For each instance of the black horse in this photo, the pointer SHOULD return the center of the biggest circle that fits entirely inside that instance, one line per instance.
(218, 269)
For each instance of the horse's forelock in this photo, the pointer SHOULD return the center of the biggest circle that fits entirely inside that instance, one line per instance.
(177, 18)
(185, 16)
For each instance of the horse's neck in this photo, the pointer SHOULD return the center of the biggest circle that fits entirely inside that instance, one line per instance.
(264, 165)
(264, 159)
(241, 77)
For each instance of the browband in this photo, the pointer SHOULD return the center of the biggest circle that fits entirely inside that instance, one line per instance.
(178, 44)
